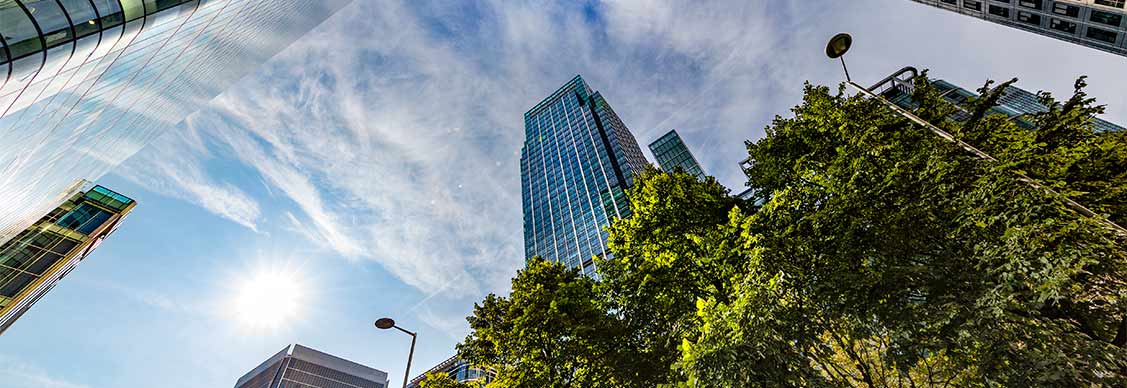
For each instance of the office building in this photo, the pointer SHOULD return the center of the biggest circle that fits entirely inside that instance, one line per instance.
(672, 153)
(577, 161)
(458, 370)
(1016, 103)
(40, 256)
(84, 84)
(297, 366)
(1098, 24)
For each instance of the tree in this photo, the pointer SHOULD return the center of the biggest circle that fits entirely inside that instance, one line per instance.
(554, 330)
(884, 255)
(675, 249)
(442, 380)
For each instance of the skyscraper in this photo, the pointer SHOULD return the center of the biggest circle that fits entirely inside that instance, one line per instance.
(1016, 103)
(84, 84)
(297, 366)
(577, 161)
(1098, 24)
(672, 153)
(35, 260)
(458, 370)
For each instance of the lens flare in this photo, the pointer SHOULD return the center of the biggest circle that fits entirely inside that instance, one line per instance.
(268, 299)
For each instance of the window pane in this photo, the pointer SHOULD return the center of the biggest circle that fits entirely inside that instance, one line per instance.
(110, 12)
(1102, 35)
(133, 9)
(1108, 18)
(51, 19)
(18, 30)
(82, 15)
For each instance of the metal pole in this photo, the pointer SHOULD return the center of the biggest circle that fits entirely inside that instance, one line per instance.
(410, 355)
(1112, 226)
(842, 58)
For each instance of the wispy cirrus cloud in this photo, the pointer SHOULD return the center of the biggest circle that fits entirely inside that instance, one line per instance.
(392, 132)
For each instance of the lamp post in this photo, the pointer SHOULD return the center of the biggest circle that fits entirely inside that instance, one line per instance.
(388, 323)
(837, 47)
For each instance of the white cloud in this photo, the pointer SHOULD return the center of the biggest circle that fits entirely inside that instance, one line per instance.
(392, 133)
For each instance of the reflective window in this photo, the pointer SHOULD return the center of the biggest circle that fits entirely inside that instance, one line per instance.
(82, 15)
(1111, 3)
(999, 11)
(1102, 35)
(1108, 18)
(18, 30)
(1066, 10)
(110, 12)
(1062, 25)
(134, 9)
(52, 21)
(85, 218)
(1029, 18)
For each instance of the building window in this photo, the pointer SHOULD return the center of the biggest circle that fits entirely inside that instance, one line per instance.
(1102, 35)
(952, 2)
(1108, 18)
(1111, 3)
(999, 11)
(1066, 10)
(1035, 4)
(1063, 26)
(972, 4)
(1026, 17)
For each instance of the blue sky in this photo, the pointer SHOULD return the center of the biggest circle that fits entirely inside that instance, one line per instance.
(378, 159)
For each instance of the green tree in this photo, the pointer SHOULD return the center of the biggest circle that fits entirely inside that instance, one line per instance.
(442, 380)
(554, 330)
(885, 256)
(675, 249)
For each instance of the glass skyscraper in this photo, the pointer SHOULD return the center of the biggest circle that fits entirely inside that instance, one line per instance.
(84, 84)
(1016, 103)
(38, 257)
(1098, 24)
(577, 161)
(297, 366)
(672, 153)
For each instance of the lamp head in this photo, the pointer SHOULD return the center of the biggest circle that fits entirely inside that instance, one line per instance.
(838, 45)
(385, 323)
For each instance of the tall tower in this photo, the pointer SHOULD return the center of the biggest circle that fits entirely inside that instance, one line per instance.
(36, 259)
(672, 153)
(577, 161)
(299, 366)
(1098, 24)
(84, 84)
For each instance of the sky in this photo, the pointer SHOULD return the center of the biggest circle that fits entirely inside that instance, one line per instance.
(374, 164)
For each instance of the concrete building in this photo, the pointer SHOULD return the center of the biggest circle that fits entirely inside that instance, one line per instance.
(297, 366)
(1098, 24)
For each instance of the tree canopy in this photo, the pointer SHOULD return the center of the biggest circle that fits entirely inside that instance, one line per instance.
(873, 254)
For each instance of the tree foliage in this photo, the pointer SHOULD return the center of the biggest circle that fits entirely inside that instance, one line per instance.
(442, 380)
(874, 254)
(554, 330)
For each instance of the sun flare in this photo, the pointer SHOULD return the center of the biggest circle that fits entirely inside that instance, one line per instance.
(268, 299)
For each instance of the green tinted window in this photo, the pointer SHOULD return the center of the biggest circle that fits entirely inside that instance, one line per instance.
(133, 9)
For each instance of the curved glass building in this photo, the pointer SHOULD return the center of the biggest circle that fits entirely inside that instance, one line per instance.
(84, 84)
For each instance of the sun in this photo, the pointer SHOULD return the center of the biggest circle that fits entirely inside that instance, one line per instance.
(268, 299)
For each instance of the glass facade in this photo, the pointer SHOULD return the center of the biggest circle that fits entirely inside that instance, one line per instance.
(672, 153)
(1094, 23)
(1016, 103)
(577, 161)
(84, 84)
(34, 260)
(458, 370)
(297, 366)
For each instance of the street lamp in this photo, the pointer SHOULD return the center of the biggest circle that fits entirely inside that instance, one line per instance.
(388, 323)
(837, 47)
